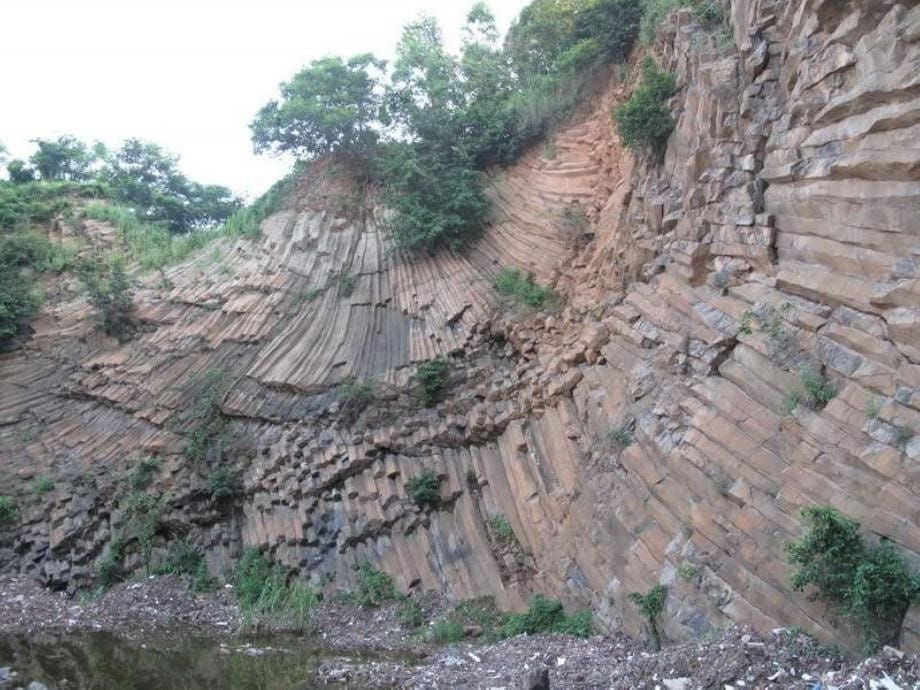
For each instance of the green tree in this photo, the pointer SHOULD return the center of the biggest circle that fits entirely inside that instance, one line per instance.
(64, 158)
(19, 172)
(431, 181)
(3, 153)
(108, 289)
(146, 177)
(332, 105)
(487, 123)
(612, 24)
(544, 29)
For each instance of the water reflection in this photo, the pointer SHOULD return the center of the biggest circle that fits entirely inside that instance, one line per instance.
(100, 661)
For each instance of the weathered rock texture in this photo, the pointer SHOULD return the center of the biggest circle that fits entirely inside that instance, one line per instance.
(779, 234)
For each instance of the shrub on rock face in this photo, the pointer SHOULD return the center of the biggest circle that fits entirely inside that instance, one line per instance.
(651, 606)
(870, 584)
(8, 511)
(431, 379)
(424, 489)
(108, 290)
(644, 120)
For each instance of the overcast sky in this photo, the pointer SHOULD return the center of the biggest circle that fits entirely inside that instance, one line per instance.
(188, 74)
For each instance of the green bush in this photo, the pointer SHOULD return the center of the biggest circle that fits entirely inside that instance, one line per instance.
(43, 484)
(354, 396)
(108, 290)
(182, 558)
(620, 438)
(524, 290)
(9, 513)
(707, 12)
(22, 257)
(143, 474)
(501, 528)
(651, 606)
(410, 614)
(144, 513)
(870, 584)
(109, 569)
(644, 120)
(431, 379)
(818, 390)
(424, 489)
(224, 484)
(447, 631)
(375, 587)
(547, 615)
(263, 591)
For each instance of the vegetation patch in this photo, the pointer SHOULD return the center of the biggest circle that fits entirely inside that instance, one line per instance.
(524, 289)
(265, 593)
(546, 615)
(375, 587)
(43, 484)
(108, 289)
(144, 473)
(619, 438)
(818, 390)
(354, 396)
(644, 120)
(224, 484)
(870, 584)
(430, 379)
(651, 606)
(501, 530)
(708, 12)
(424, 489)
(9, 512)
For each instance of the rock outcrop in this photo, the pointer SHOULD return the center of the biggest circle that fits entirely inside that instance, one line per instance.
(777, 236)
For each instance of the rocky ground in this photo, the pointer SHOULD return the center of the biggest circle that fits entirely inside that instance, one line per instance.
(377, 652)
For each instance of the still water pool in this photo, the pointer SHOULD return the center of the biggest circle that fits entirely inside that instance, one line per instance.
(101, 661)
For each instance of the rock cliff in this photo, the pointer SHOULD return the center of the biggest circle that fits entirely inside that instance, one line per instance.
(778, 235)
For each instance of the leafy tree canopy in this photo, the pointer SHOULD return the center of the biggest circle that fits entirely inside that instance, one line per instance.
(63, 159)
(331, 105)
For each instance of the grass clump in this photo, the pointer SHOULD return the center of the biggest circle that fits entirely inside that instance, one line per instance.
(870, 584)
(619, 438)
(224, 484)
(354, 396)
(447, 630)
(9, 512)
(547, 615)
(410, 614)
(144, 513)
(264, 592)
(644, 120)
(375, 587)
(688, 571)
(182, 558)
(873, 408)
(524, 289)
(424, 489)
(430, 379)
(651, 606)
(144, 473)
(818, 390)
(43, 484)
(501, 529)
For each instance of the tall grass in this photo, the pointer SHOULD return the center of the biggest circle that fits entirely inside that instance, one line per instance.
(151, 244)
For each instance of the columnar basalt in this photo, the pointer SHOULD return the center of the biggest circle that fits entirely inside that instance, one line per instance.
(776, 236)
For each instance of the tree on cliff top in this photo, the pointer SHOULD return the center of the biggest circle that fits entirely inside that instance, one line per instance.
(331, 105)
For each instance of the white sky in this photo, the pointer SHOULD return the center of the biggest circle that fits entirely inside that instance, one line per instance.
(187, 74)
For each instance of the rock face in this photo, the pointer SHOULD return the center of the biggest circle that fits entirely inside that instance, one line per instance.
(778, 235)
